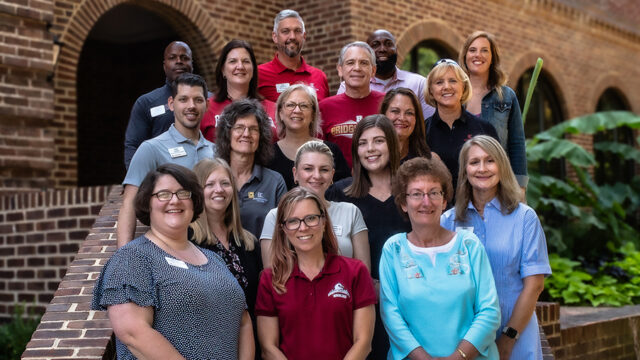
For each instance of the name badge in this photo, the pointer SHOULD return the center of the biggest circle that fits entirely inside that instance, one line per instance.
(177, 152)
(157, 110)
(467, 228)
(337, 229)
(176, 262)
(281, 87)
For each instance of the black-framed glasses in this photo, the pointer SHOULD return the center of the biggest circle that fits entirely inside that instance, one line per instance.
(445, 61)
(166, 195)
(293, 223)
(417, 196)
(290, 106)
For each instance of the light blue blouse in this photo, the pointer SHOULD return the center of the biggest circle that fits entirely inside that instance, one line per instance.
(517, 248)
(437, 306)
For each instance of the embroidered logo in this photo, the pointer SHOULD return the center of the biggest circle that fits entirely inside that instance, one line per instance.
(257, 196)
(339, 292)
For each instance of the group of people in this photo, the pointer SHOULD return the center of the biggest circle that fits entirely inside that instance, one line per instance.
(384, 222)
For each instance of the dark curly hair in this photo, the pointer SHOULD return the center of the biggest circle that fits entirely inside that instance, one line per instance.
(239, 109)
(185, 177)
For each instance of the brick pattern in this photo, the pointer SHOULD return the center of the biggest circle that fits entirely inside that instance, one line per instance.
(26, 97)
(39, 237)
(612, 340)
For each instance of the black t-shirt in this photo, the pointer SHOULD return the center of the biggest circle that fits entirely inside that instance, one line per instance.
(283, 164)
(447, 142)
(383, 219)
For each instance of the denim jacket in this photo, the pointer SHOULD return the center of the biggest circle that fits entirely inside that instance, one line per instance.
(506, 118)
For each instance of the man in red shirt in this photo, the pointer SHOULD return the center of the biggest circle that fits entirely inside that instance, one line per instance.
(288, 67)
(341, 113)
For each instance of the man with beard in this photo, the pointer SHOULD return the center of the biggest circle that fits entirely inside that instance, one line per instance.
(182, 144)
(288, 67)
(388, 76)
(150, 115)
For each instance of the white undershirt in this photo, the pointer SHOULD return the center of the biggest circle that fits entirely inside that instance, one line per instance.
(432, 251)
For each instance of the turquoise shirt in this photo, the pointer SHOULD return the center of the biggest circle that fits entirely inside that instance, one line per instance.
(435, 307)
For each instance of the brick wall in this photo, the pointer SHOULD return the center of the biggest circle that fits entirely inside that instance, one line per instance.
(39, 237)
(26, 97)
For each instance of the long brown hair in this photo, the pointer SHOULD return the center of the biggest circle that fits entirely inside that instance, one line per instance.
(417, 140)
(283, 255)
(508, 193)
(361, 183)
(201, 232)
(497, 77)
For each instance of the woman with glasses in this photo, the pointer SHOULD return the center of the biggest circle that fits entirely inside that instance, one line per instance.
(437, 293)
(243, 141)
(314, 170)
(236, 78)
(488, 203)
(143, 285)
(298, 121)
(312, 303)
(374, 167)
(493, 100)
(403, 108)
(448, 88)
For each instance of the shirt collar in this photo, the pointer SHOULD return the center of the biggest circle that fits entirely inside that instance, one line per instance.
(331, 266)
(396, 77)
(179, 138)
(495, 203)
(281, 68)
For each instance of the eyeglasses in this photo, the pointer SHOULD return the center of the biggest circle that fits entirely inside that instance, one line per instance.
(165, 195)
(417, 196)
(292, 106)
(293, 223)
(240, 129)
(445, 61)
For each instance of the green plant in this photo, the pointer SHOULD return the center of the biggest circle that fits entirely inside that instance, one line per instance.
(613, 283)
(579, 216)
(15, 334)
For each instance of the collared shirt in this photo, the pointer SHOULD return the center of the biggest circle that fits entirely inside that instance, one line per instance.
(447, 142)
(274, 78)
(150, 117)
(316, 315)
(401, 78)
(211, 117)
(168, 147)
(517, 248)
(340, 115)
(258, 195)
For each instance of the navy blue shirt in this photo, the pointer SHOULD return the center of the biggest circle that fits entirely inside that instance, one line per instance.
(150, 117)
(447, 142)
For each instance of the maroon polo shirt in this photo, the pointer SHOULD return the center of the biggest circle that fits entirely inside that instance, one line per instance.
(316, 316)
(274, 78)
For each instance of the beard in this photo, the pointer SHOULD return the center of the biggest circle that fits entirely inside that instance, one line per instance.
(291, 52)
(387, 66)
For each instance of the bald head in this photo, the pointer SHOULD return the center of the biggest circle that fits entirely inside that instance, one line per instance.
(383, 44)
(177, 60)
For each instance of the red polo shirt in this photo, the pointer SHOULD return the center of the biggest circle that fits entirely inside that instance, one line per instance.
(316, 316)
(274, 78)
(340, 114)
(210, 118)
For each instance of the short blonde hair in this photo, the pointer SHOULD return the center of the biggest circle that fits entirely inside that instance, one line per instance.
(438, 72)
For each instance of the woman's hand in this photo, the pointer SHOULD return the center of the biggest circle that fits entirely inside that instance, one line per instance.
(505, 346)
(132, 325)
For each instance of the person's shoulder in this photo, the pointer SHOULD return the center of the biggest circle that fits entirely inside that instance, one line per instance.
(351, 264)
(395, 240)
(508, 92)
(410, 75)
(342, 184)
(378, 95)
(449, 215)
(332, 99)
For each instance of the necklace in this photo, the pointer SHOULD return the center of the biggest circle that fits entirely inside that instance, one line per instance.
(191, 252)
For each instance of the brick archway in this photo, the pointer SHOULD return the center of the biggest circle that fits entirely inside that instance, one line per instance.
(188, 19)
(610, 80)
(527, 61)
(427, 30)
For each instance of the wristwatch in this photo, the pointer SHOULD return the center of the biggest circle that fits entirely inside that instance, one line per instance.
(510, 332)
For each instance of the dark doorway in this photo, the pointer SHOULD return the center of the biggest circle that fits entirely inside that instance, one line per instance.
(120, 60)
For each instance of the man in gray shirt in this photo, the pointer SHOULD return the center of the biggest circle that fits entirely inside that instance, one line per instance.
(182, 144)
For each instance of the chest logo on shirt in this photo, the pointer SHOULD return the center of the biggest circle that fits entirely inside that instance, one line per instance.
(346, 128)
(339, 291)
(257, 196)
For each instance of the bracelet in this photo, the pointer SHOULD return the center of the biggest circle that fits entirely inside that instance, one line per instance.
(464, 356)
